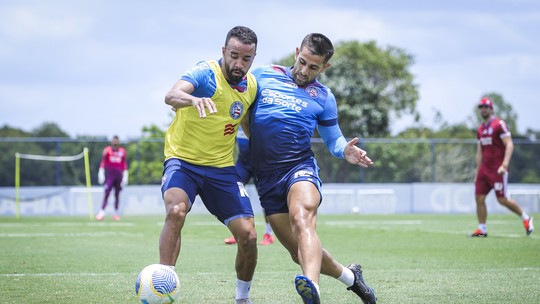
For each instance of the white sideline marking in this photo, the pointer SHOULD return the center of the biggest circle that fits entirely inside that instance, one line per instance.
(67, 224)
(370, 223)
(456, 232)
(78, 234)
(56, 274)
(450, 270)
(280, 273)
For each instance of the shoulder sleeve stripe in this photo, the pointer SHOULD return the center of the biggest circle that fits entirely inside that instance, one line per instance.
(279, 69)
(328, 123)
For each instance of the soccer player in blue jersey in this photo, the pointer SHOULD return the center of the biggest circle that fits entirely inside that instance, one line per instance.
(290, 104)
(210, 101)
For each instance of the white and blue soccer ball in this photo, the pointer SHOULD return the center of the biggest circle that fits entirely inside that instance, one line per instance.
(157, 284)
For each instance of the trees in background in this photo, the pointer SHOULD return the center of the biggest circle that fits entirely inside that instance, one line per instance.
(146, 156)
(372, 85)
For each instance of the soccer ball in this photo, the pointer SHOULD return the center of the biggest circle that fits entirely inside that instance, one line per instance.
(157, 284)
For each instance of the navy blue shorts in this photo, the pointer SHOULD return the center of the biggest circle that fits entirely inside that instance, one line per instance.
(244, 170)
(220, 189)
(273, 187)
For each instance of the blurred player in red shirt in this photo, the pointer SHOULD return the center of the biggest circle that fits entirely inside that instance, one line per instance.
(493, 156)
(113, 171)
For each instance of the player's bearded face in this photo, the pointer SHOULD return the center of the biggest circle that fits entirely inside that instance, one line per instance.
(307, 66)
(115, 144)
(234, 74)
(485, 112)
(237, 59)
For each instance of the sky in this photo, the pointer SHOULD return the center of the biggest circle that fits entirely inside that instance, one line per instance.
(102, 68)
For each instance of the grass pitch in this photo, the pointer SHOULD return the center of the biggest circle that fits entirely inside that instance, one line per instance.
(406, 259)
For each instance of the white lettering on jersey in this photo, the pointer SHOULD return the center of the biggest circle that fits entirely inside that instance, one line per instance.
(115, 158)
(280, 99)
(486, 141)
(242, 189)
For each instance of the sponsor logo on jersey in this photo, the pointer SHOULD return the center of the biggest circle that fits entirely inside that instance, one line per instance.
(115, 159)
(312, 91)
(229, 129)
(236, 110)
(486, 141)
(281, 99)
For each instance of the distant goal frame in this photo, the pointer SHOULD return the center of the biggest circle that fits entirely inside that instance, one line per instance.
(83, 154)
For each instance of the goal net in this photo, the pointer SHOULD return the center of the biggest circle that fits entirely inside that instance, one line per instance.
(82, 155)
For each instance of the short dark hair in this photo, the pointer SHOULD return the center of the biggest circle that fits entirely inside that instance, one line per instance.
(242, 33)
(318, 44)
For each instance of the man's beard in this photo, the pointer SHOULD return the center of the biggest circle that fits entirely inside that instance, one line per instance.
(234, 79)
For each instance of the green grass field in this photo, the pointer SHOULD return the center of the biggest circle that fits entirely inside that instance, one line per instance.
(406, 258)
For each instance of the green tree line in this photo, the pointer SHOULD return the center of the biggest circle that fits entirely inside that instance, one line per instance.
(373, 86)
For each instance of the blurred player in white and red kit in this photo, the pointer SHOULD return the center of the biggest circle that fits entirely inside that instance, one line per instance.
(113, 172)
(493, 156)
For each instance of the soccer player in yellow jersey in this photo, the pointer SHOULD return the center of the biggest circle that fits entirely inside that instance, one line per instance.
(210, 100)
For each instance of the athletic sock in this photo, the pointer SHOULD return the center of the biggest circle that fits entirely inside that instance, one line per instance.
(482, 227)
(317, 287)
(268, 229)
(242, 289)
(524, 216)
(346, 277)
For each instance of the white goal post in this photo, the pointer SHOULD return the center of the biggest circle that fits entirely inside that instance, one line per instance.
(83, 154)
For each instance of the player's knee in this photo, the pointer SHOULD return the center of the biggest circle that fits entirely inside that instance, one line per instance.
(247, 238)
(301, 223)
(177, 212)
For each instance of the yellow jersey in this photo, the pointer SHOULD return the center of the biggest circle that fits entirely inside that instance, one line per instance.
(210, 141)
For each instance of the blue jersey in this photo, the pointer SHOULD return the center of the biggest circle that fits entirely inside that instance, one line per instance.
(284, 118)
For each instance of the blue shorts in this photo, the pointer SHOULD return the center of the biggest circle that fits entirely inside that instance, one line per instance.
(273, 187)
(244, 170)
(220, 189)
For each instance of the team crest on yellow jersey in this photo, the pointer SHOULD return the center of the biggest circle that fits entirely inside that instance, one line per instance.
(236, 110)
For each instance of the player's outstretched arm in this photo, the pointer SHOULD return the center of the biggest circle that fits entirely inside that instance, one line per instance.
(180, 97)
(355, 155)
